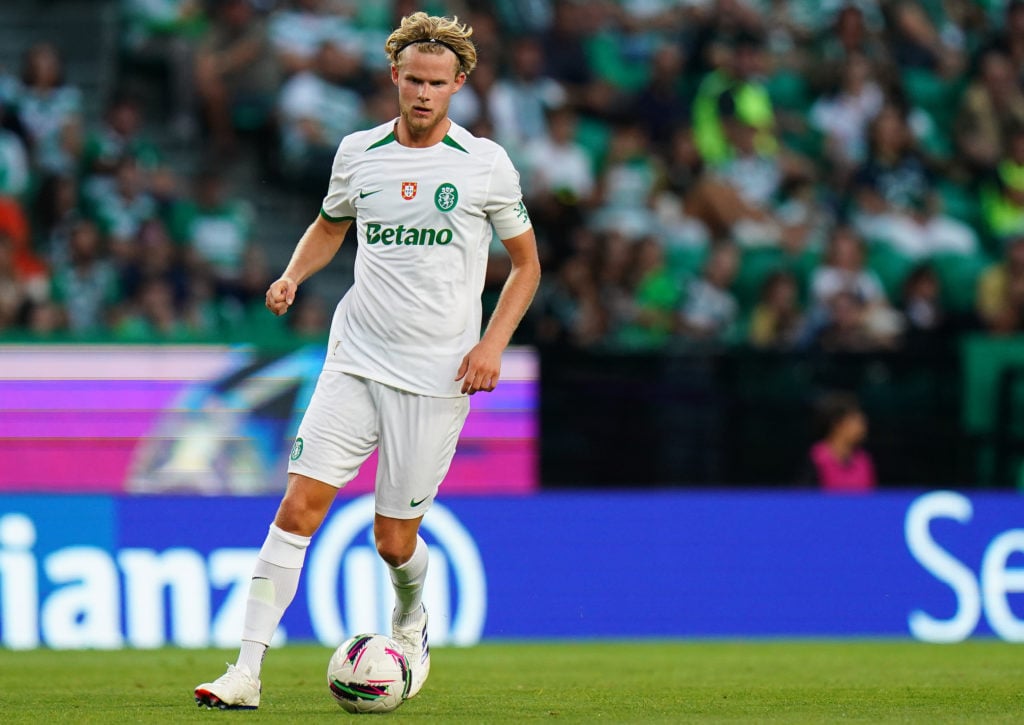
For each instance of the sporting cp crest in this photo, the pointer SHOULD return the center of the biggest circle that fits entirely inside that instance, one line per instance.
(446, 197)
(409, 190)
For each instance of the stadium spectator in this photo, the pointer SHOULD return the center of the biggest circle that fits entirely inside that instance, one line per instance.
(663, 105)
(843, 116)
(122, 209)
(656, 295)
(15, 170)
(120, 135)
(843, 270)
(571, 309)
(676, 215)
(735, 91)
(895, 201)
(214, 228)
(614, 269)
(1010, 37)
(317, 107)
(56, 209)
(927, 324)
(639, 60)
(722, 209)
(756, 177)
(565, 56)
(1000, 301)
(556, 165)
(242, 302)
(1002, 196)
(777, 322)
(992, 104)
(236, 73)
(558, 183)
(918, 43)
(838, 462)
(300, 28)
(471, 107)
(158, 258)
(619, 48)
(628, 183)
(851, 31)
(29, 267)
(805, 218)
(849, 308)
(709, 312)
(86, 289)
(14, 296)
(50, 111)
(711, 31)
(151, 314)
(309, 318)
(850, 325)
(162, 34)
(517, 104)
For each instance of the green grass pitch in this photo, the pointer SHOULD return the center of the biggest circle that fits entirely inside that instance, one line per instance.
(738, 682)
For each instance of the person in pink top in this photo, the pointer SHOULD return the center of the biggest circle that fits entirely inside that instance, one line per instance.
(838, 463)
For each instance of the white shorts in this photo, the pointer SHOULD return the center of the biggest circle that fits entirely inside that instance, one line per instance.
(348, 417)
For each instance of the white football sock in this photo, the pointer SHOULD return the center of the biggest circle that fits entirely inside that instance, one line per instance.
(275, 580)
(407, 581)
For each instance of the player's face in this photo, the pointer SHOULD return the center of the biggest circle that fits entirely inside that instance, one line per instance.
(426, 82)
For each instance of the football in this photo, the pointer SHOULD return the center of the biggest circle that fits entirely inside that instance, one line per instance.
(369, 673)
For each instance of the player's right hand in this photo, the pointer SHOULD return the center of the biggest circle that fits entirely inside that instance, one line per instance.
(281, 295)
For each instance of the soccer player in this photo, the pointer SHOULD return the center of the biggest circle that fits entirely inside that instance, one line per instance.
(405, 347)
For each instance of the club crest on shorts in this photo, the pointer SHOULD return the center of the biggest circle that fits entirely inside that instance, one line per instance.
(409, 190)
(296, 449)
(446, 197)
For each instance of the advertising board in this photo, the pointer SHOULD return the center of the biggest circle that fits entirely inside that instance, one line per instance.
(145, 571)
(213, 420)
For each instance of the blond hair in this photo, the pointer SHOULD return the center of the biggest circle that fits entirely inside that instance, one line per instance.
(432, 34)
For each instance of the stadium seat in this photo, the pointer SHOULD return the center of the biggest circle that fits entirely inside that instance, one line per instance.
(755, 266)
(958, 275)
(686, 261)
(960, 202)
(891, 267)
(788, 91)
(593, 135)
(935, 95)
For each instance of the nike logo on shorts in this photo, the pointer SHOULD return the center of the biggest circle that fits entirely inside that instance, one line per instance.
(364, 194)
(414, 503)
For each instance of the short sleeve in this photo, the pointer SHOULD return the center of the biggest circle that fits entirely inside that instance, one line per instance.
(504, 206)
(337, 205)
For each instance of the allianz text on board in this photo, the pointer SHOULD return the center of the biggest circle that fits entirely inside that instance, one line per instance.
(107, 572)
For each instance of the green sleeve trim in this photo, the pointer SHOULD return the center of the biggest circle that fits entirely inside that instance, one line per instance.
(383, 142)
(335, 219)
(449, 141)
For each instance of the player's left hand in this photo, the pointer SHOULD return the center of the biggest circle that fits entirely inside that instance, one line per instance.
(480, 368)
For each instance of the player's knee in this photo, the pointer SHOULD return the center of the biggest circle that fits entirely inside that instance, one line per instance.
(297, 516)
(395, 550)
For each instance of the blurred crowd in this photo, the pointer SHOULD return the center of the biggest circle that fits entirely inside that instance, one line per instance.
(840, 175)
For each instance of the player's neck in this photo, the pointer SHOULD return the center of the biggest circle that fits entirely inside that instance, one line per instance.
(406, 136)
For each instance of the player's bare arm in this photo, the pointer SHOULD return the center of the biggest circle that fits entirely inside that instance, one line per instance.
(318, 245)
(481, 367)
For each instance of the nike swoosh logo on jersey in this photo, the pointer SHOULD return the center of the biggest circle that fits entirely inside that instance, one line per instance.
(364, 194)
(414, 503)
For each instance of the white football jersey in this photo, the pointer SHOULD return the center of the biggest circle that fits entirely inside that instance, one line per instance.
(424, 222)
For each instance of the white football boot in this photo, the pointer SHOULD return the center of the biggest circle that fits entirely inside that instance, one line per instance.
(413, 639)
(236, 689)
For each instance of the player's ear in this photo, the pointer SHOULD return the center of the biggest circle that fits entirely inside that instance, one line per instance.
(394, 74)
(460, 80)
